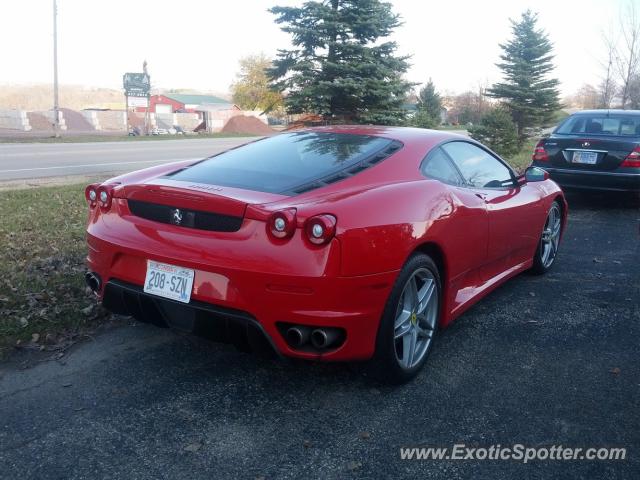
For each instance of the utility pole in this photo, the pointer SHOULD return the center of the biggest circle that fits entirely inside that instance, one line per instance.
(56, 108)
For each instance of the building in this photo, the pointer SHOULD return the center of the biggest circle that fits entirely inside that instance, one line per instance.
(179, 102)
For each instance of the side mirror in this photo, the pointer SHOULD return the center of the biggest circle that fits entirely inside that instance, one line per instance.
(536, 174)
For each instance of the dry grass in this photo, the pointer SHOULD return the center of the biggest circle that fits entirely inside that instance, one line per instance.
(42, 292)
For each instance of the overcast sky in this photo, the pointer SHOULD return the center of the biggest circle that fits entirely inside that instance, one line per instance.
(197, 43)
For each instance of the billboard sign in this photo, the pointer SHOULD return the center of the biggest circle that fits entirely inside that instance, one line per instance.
(136, 84)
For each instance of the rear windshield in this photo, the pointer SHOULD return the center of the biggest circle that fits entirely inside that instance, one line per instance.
(281, 163)
(601, 124)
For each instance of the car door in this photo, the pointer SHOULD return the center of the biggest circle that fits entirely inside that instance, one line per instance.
(510, 206)
(466, 229)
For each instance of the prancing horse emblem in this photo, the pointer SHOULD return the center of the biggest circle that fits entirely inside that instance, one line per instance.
(176, 216)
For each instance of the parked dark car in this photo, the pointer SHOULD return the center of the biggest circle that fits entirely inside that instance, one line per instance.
(594, 149)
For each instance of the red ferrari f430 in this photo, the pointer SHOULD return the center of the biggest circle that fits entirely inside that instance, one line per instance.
(339, 243)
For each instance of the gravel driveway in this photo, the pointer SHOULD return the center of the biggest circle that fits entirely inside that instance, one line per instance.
(542, 361)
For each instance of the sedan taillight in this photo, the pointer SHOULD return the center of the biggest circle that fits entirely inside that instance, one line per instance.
(539, 153)
(633, 159)
(320, 229)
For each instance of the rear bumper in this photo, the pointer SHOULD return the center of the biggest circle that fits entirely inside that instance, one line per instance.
(590, 180)
(228, 291)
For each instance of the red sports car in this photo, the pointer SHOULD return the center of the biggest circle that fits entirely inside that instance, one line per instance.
(340, 243)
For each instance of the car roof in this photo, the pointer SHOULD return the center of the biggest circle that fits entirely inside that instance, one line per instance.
(402, 134)
(610, 111)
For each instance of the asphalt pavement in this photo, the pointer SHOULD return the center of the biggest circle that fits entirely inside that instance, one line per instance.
(542, 361)
(45, 160)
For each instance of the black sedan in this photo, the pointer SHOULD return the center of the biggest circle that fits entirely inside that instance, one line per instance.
(594, 149)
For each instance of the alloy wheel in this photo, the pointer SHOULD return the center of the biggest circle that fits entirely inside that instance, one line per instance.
(550, 236)
(416, 317)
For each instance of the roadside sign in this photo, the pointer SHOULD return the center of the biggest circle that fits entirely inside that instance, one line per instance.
(136, 84)
(134, 101)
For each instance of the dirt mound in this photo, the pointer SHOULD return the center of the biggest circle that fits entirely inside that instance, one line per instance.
(247, 125)
(76, 121)
(39, 121)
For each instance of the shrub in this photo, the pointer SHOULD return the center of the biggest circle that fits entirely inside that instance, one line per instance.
(498, 132)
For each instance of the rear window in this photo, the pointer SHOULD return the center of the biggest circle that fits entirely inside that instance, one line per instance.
(283, 163)
(601, 124)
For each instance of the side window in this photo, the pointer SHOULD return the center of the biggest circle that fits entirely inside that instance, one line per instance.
(438, 166)
(479, 168)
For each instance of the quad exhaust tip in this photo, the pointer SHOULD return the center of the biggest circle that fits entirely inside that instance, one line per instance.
(93, 281)
(322, 338)
(299, 336)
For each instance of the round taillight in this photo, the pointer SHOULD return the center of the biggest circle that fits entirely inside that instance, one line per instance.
(105, 195)
(282, 224)
(321, 229)
(91, 194)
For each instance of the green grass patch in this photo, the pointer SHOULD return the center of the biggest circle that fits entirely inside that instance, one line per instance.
(42, 287)
(117, 138)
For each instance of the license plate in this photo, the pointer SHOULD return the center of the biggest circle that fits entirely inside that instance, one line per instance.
(590, 158)
(169, 281)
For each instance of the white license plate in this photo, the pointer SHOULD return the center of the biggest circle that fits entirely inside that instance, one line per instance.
(590, 158)
(169, 281)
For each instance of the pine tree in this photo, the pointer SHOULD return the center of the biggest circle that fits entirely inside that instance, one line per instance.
(339, 67)
(527, 92)
(429, 106)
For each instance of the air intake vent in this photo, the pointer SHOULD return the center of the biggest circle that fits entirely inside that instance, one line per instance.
(181, 217)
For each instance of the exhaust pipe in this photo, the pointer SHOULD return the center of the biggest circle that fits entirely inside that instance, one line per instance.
(298, 336)
(93, 281)
(324, 338)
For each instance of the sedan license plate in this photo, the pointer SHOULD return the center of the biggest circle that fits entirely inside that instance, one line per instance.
(169, 281)
(589, 158)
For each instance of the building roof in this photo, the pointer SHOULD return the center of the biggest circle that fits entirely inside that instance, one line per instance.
(189, 99)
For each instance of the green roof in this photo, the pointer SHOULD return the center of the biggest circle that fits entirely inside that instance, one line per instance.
(188, 99)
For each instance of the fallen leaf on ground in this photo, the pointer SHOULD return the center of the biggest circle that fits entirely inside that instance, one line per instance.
(193, 447)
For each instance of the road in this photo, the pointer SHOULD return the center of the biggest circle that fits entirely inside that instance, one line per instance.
(542, 361)
(45, 160)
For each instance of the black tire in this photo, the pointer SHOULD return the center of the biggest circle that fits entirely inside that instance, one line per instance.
(385, 365)
(541, 264)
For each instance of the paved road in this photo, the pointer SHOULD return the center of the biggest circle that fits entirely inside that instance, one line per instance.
(541, 361)
(43, 160)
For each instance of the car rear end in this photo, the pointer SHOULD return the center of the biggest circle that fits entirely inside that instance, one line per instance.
(235, 255)
(594, 150)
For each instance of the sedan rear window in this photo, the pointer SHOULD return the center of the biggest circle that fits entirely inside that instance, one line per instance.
(285, 162)
(601, 124)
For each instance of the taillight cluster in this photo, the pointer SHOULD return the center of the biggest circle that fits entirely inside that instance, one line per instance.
(99, 195)
(633, 159)
(319, 229)
(539, 153)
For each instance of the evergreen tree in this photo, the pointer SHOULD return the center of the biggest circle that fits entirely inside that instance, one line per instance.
(497, 131)
(527, 92)
(339, 67)
(429, 106)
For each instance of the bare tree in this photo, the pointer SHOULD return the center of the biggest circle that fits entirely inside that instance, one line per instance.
(628, 54)
(607, 88)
